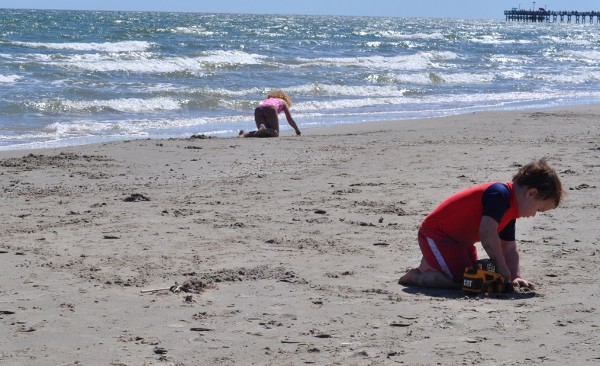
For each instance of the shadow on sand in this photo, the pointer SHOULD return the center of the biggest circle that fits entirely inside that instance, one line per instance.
(460, 294)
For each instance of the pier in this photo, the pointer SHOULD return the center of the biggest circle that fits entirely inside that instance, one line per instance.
(547, 16)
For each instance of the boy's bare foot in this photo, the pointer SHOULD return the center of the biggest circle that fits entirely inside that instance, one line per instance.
(409, 278)
(431, 279)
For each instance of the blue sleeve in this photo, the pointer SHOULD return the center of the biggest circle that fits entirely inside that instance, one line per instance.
(508, 233)
(496, 201)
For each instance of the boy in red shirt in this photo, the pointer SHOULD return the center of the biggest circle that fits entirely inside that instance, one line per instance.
(486, 213)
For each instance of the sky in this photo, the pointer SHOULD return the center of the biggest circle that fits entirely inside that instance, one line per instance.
(394, 8)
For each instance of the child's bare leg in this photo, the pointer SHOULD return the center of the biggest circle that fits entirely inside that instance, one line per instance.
(272, 122)
(427, 276)
(261, 132)
(267, 123)
(271, 132)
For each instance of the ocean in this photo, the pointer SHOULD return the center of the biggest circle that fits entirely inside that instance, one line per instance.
(75, 77)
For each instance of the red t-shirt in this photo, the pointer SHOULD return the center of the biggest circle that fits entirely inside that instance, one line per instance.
(459, 216)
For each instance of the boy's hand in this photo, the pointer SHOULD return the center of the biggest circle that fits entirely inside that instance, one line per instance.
(519, 282)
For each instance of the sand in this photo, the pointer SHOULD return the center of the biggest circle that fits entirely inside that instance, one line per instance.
(291, 248)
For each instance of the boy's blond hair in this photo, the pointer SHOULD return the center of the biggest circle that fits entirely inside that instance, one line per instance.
(281, 95)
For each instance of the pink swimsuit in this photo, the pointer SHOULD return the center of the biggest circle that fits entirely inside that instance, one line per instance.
(272, 102)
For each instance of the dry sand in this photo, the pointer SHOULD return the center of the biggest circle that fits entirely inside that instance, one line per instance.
(294, 246)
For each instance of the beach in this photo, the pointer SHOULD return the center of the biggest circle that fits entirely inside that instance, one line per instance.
(290, 249)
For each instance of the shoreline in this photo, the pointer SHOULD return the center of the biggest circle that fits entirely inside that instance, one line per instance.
(359, 126)
(294, 245)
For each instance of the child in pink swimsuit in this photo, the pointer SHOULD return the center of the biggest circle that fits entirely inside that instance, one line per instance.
(265, 115)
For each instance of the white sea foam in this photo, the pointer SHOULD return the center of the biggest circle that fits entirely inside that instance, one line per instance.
(572, 77)
(417, 61)
(428, 78)
(29, 57)
(570, 40)
(126, 105)
(393, 78)
(319, 89)
(494, 40)
(507, 60)
(195, 30)
(401, 44)
(393, 34)
(512, 75)
(591, 56)
(417, 36)
(139, 127)
(146, 63)
(449, 101)
(8, 79)
(467, 78)
(85, 128)
(123, 46)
